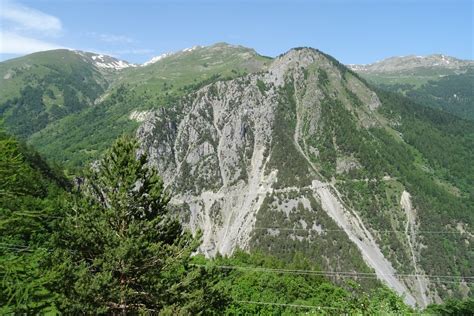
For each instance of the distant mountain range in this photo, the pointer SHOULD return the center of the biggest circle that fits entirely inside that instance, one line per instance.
(348, 166)
(438, 81)
(409, 64)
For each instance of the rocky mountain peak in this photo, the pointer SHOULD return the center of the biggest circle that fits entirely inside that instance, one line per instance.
(249, 152)
(297, 57)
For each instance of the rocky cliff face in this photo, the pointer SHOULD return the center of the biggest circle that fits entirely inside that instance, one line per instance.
(215, 149)
(258, 162)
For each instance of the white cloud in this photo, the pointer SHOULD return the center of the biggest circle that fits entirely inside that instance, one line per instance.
(11, 43)
(23, 18)
(25, 30)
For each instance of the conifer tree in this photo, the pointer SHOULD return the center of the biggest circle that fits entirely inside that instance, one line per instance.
(120, 250)
(27, 198)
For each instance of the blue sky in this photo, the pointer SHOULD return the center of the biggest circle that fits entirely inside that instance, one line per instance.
(352, 31)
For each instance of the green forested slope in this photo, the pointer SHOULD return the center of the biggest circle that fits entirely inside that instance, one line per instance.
(442, 181)
(56, 256)
(44, 87)
(452, 92)
(30, 195)
(186, 68)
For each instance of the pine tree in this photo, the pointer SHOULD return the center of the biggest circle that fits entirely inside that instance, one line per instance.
(120, 250)
(27, 198)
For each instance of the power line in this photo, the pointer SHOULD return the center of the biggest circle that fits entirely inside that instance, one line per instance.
(18, 249)
(287, 271)
(21, 248)
(288, 305)
(342, 230)
(306, 306)
(339, 274)
(41, 215)
(301, 229)
(329, 273)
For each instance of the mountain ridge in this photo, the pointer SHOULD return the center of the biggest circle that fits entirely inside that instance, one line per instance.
(409, 62)
(438, 81)
(439, 58)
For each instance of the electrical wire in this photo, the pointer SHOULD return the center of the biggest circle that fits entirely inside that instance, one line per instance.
(342, 230)
(347, 274)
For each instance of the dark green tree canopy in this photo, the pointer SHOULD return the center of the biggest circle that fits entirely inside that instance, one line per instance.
(120, 250)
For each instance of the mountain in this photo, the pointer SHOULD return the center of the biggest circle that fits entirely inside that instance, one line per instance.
(104, 62)
(193, 65)
(296, 154)
(436, 64)
(79, 138)
(44, 87)
(306, 156)
(438, 81)
(34, 253)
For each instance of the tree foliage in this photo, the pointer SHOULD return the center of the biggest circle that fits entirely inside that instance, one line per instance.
(114, 247)
(276, 288)
(119, 250)
(29, 195)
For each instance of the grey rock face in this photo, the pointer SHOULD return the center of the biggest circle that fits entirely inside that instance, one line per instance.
(213, 158)
(216, 151)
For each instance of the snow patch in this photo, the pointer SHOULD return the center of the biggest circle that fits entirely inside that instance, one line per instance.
(157, 58)
(117, 65)
(165, 55)
(105, 62)
(190, 49)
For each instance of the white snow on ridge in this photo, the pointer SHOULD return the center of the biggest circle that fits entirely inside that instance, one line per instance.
(160, 57)
(443, 58)
(107, 62)
(190, 49)
(104, 61)
(157, 58)
(118, 64)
